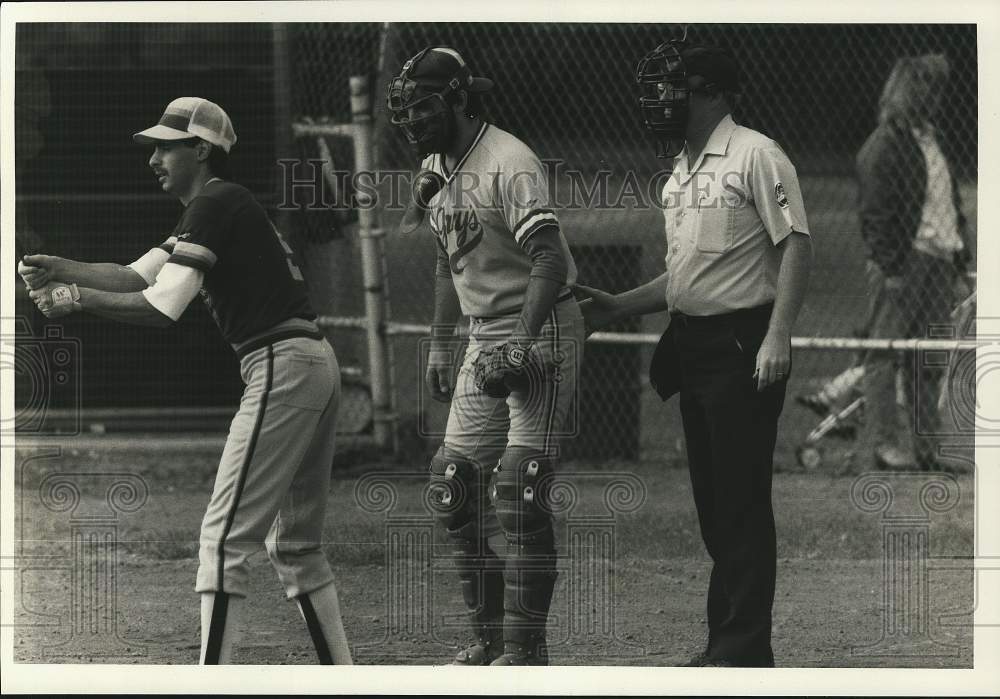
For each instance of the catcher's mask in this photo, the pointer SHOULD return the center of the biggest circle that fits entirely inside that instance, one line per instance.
(664, 96)
(418, 99)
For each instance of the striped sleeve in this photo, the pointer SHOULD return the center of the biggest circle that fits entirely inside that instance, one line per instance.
(202, 234)
(534, 221)
(525, 195)
(193, 255)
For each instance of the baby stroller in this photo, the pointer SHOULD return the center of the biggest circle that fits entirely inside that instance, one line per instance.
(840, 405)
(840, 402)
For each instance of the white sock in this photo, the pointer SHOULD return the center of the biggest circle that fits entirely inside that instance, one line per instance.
(227, 611)
(321, 611)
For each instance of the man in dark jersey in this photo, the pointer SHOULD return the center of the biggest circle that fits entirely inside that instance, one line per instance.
(274, 475)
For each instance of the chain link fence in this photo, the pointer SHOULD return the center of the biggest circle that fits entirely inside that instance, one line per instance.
(566, 89)
(85, 191)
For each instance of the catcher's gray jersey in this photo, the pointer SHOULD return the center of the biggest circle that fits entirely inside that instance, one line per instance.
(493, 201)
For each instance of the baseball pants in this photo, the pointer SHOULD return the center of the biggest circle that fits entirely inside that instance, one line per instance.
(525, 427)
(730, 430)
(480, 427)
(274, 476)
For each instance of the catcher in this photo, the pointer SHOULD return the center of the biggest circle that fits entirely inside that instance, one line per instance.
(503, 261)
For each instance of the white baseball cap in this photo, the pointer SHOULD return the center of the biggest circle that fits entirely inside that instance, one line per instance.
(188, 117)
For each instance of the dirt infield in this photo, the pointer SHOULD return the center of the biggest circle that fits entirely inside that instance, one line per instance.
(631, 590)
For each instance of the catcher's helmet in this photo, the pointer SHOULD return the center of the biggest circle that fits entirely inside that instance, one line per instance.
(664, 95)
(418, 99)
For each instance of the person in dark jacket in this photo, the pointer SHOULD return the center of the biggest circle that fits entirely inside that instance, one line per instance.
(912, 223)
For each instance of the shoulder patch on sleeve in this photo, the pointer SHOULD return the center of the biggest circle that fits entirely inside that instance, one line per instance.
(779, 194)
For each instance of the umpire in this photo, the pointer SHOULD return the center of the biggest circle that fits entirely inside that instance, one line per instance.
(737, 268)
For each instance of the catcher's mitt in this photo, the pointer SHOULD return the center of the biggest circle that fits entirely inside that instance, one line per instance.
(500, 369)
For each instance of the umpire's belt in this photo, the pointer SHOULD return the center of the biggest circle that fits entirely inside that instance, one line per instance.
(516, 310)
(757, 313)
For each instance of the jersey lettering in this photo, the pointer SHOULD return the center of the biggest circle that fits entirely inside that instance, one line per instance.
(458, 226)
(207, 300)
(461, 223)
(292, 267)
(464, 248)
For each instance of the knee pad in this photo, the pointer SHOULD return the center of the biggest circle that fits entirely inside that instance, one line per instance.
(458, 489)
(523, 506)
(457, 492)
(524, 478)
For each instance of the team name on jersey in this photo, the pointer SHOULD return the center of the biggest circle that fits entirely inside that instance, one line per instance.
(459, 232)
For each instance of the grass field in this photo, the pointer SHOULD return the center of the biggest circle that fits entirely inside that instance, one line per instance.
(640, 600)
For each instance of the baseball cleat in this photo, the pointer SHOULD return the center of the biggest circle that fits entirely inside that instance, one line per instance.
(480, 653)
(517, 654)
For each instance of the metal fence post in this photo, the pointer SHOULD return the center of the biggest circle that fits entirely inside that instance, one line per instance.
(373, 263)
(282, 86)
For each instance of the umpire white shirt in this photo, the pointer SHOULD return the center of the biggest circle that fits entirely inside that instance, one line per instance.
(723, 218)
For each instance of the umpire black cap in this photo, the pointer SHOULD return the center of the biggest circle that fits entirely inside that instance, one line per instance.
(716, 65)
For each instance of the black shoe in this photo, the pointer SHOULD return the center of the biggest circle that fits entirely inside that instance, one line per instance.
(718, 663)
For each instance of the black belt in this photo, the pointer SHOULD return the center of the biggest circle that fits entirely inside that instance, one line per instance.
(564, 296)
(277, 337)
(683, 320)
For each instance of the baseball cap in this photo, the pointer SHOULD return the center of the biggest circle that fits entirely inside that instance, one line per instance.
(714, 64)
(438, 65)
(188, 117)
